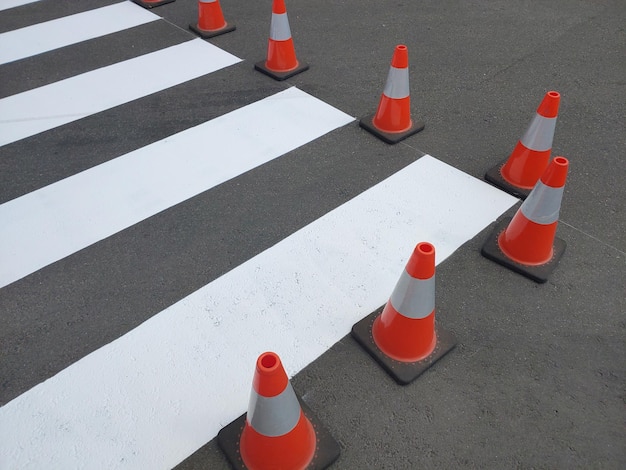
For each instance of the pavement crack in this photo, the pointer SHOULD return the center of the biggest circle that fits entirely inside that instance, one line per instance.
(594, 238)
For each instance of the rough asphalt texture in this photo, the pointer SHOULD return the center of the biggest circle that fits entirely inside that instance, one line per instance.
(537, 379)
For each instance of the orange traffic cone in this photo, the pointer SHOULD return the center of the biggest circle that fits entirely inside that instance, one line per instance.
(278, 431)
(152, 3)
(530, 157)
(281, 62)
(392, 121)
(210, 20)
(402, 336)
(528, 244)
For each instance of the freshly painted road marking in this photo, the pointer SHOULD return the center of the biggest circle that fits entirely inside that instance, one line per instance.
(6, 4)
(43, 37)
(47, 107)
(53, 222)
(157, 394)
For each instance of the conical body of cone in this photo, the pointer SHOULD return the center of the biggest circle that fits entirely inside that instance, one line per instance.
(404, 339)
(529, 237)
(281, 56)
(406, 331)
(276, 434)
(295, 450)
(210, 16)
(393, 115)
(394, 108)
(531, 155)
(281, 53)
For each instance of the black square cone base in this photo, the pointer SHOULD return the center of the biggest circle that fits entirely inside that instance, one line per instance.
(390, 137)
(540, 273)
(494, 176)
(280, 76)
(152, 4)
(206, 34)
(326, 448)
(403, 372)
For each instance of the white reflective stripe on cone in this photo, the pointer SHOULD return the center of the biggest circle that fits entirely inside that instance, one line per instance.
(413, 298)
(539, 134)
(543, 204)
(279, 27)
(397, 86)
(274, 416)
(207, 1)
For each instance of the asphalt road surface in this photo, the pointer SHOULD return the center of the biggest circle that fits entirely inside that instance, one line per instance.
(168, 213)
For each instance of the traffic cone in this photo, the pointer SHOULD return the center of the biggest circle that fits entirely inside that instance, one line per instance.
(210, 20)
(527, 243)
(392, 121)
(402, 336)
(279, 431)
(152, 3)
(281, 62)
(530, 157)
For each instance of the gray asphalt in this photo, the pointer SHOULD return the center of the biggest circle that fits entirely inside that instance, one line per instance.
(538, 378)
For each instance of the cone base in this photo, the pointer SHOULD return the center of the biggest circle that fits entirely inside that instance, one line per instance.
(390, 137)
(494, 176)
(277, 75)
(540, 274)
(206, 33)
(152, 4)
(403, 372)
(326, 452)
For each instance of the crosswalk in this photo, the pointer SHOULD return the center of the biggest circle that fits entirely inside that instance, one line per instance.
(53, 34)
(7, 4)
(89, 93)
(147, 394)
(135, 186)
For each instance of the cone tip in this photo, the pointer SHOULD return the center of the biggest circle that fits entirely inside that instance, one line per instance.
(556, 173)
(268, 362)
(425, 248)
(270, 378)
(278, 6)
(421, 265)
(400, 57)
(549, 106)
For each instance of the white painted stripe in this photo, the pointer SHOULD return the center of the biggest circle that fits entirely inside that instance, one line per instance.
(6, 4)
(68, 100)
(43, 37)
(157, 394)
(53, 222)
